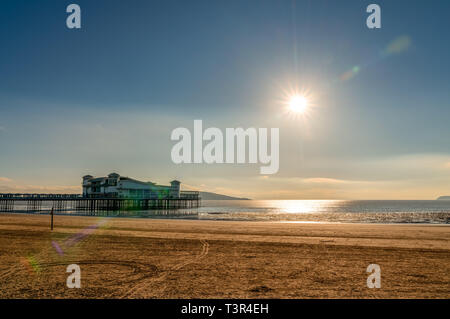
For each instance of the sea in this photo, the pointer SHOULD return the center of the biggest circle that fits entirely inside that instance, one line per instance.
(339, 211)
(304, 211)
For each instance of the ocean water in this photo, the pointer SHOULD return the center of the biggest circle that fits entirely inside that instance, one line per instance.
(339, 211)
(349, 211)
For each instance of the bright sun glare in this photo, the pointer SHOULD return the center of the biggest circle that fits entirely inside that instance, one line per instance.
(298, 104)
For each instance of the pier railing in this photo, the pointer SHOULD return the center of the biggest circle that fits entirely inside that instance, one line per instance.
(40, 196)
(189, 194)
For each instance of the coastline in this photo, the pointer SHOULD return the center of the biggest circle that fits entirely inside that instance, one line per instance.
(156, 217)
(162, 258)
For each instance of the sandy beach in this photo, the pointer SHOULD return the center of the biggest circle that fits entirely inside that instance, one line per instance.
(147, 258)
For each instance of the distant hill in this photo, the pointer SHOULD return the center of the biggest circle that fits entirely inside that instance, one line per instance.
(214, 196)
(444, 198)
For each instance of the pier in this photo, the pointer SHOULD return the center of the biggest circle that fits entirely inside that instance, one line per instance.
(92, 205)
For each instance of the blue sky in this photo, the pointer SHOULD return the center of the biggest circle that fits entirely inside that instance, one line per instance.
(106, 97)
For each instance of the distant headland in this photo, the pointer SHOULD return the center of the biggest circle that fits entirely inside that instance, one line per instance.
(443, 198)
(214, 196)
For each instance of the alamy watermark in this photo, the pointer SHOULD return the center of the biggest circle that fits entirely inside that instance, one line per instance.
(374, 19)
(374, 279)
(73, 21)
(74, 279)
(228, 148)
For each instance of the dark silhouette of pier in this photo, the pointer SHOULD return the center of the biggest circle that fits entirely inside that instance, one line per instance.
(92, 205)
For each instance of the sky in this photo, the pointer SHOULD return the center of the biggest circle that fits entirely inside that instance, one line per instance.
(106, 97)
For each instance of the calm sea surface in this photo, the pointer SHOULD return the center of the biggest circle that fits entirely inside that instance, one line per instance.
(375, 211)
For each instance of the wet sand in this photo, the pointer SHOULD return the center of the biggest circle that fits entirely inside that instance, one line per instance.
(145, 258)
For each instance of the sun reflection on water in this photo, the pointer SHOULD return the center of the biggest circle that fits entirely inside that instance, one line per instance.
(307, 206)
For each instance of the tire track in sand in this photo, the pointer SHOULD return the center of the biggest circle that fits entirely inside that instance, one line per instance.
(146, 283)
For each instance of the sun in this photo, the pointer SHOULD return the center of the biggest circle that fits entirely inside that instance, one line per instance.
(298, 104)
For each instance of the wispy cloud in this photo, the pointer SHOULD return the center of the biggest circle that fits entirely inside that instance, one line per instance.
(17, 188)
(324, 180)
(5, 179)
